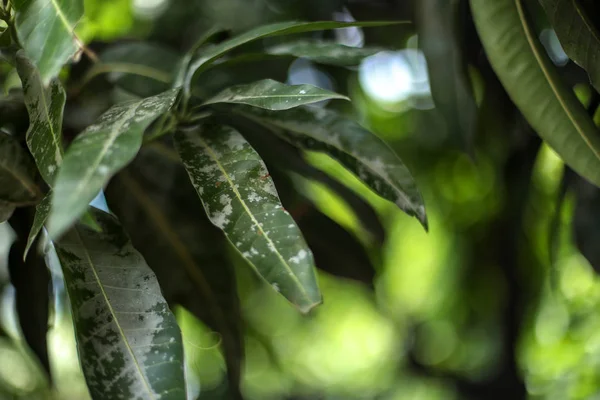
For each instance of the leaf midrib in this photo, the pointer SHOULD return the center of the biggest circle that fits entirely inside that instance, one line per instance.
(113, 314)
(543, 67)
(251, 215)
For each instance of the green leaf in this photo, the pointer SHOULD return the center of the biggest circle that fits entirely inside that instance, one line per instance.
(534, 85)
(98, 153)
(46, 31)
(6, 210)
(45, 107)
(17, 173)
(369, 157)
(41, 215)
(273, 95)
(128, 340)
(324, 52)
(439, 35)
(144, 69)
(160, 211)
(203, 60)
(577, 34)
(240, 198)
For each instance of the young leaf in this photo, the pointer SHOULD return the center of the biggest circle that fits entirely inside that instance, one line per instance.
(128, 340)
(577, 34)
(273, 95)
(358, 149)
(45, 29)
(240, 198)
(203, 60)
(45, 107)
(535, 86)
(17, 173)
(98, 153)
(160, 211)
(144, 69)
(439, 32)
(324, 52)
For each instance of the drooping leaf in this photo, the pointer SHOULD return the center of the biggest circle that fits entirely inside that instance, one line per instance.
(161, 212)
(45, 29)
(324, 52)
(439, 36)
(240, 198)
(98, 153)
(204, 59)
(273, 95)
(45, 107)
(577, 34)
(358, 149)
(17, 173)
(534, 85)
(144, 69)
(31, 280)
(128, 340)
(41, 215)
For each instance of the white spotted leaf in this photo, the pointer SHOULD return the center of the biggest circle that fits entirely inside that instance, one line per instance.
(365, 154)
(98, 153)
(273, 95)
(128, 340)
(240, 198)
(45, 106)
(45, 29)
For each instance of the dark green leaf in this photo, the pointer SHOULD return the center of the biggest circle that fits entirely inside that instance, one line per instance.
(535, 86)
(45, 29)
(324, 52)
(240, 198)
(144, 69)
(204, 59)
(128, 340)
(98, 153)
(577, 33)
(41, 215)
(45, 107)
(439, 35)
(17, 173)
(6, 210)
(273, 95)
(359, 150)
(160, 211)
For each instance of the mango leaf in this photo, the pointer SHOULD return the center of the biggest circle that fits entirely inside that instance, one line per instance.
(369, 157)
(204, 59)
(17, 173)
(6, 210)
(45, 29)
(160, 211)
(577, 34)
(273, 95)
(128, 340)
(41, 215)
(324, 52)
(535, 86)
(144, 69)
(439, 34)
(98, 153)
(45, 107)
(240, 198)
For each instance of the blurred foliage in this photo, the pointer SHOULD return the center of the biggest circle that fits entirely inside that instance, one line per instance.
(473, 309)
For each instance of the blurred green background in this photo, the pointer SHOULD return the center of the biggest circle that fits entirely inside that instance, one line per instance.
(488, 304)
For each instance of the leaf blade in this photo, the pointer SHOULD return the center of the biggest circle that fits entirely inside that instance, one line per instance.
(242, 212)
(552, 109)
(363, 153)
(98, 153)
(128, 319)
(45, 28)
(17, 173)
(273, 95)
(324, 52)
